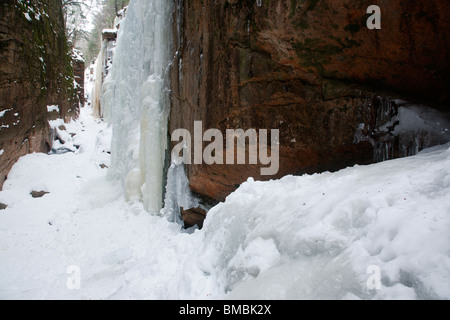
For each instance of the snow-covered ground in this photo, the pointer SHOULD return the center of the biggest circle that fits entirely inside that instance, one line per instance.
(322, 236)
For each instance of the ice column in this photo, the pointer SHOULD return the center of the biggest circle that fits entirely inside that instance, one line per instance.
(136, 94)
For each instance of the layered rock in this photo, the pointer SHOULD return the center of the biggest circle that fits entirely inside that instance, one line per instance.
(311, 69)
(35, 72)
(79, 67)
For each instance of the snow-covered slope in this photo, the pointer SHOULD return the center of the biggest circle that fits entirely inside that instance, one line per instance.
(323, 236)
(299, 237)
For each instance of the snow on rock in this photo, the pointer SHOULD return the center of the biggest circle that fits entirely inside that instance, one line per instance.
(27, 16)
(2, 113)
(77, 55)
(52, 109)
(323, 232)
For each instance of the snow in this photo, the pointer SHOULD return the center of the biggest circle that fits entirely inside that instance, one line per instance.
(2, 113)
(53, 109)
(109, 30)
(77, 55)
(2, 151)
(27, 16)
(330, 228)
(56, 123)
(314, 236)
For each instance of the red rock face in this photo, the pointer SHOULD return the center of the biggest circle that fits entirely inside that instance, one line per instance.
(35, 71)
(78, 72)
(308, 68)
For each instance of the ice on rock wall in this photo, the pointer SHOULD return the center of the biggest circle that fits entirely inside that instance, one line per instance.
(102, 68)
(136, 100)
(96, 93)
(402, 129)
(419, 128)
(178, 194)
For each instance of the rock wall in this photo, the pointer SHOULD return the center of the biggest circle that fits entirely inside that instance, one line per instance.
(310, 68)
(35, 72)
(79, 67)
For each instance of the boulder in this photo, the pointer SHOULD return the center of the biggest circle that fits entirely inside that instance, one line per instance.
(38, 194)
(193, 216)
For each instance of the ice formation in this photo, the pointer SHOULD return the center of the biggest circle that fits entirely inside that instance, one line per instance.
(403, 129)
(136, 100)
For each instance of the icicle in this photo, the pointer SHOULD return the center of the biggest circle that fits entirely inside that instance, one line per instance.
(178, 194)
(136, 96)
(403, 129)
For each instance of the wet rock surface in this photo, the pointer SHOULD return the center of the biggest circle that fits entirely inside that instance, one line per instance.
(311, 69)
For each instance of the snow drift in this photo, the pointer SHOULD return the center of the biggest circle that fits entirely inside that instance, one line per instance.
(316, 237)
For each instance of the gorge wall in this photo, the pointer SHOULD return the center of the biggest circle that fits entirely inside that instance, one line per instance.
(35, 72)
(310, 68)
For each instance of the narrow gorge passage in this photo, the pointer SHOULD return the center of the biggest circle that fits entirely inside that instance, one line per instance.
(290, 234)
(95, 205)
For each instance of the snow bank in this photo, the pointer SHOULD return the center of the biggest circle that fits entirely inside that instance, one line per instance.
(2, 113)
(77, 55)
(316, 237)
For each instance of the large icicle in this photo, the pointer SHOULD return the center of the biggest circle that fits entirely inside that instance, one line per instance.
(178, 194)
(137, 103)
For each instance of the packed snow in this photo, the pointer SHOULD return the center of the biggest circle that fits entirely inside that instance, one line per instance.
(318, 236)
(311, 237)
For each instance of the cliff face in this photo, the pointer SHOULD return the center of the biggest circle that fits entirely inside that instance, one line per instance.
(79, 66)
(311, 69)
(35, 72)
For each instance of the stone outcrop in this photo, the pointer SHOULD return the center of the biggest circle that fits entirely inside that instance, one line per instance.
(192, 217)
(35, 72)
(79, 67)
(311, 69)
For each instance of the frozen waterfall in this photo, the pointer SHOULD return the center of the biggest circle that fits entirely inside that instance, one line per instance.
(136, 100)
